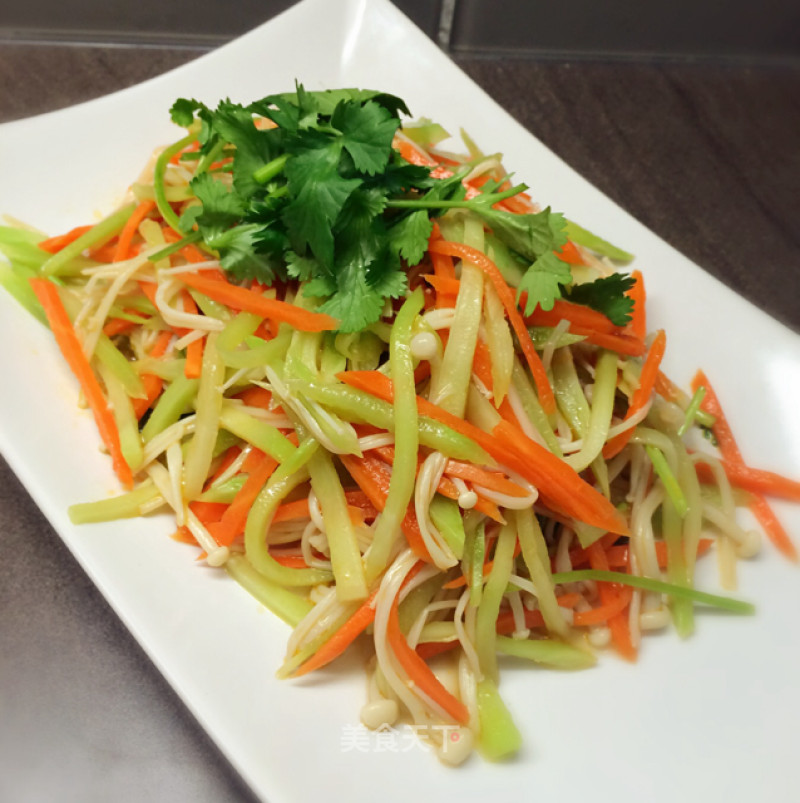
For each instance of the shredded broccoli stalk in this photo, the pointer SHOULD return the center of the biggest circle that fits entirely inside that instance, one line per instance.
(406, 438)
(291, 473)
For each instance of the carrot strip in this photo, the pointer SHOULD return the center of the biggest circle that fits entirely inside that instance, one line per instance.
(618, 623)
(342, 638)
(233, 520)
(578, 314)
(569, 253)
(641, 395)
(54, 244)
(118, 326)
(70, 346)
(152, 383)
(123, 249)
(194, 351)
(241, 298)
(730, 451)
(419, 672)
(506, 295)
(638, 295)
(511, 447)
(755, 480)
(614, 606)
(493, 480)
(373, 476)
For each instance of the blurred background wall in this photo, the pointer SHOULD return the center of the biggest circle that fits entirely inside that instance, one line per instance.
(717, 29)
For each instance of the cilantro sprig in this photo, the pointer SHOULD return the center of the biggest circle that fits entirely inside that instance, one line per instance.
(322, 197)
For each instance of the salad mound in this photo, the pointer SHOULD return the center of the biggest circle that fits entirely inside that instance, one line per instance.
(397, 401)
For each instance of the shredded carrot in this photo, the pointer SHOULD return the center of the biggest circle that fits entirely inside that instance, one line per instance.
(123, 247)
(641, 395)
(609, 596)
(70, 346)
(54, 244)
(342, 638)
(373, 477)
(234, 518)
(730, 451)
(153, 384)
(241, 298)
(755, 480)
(194, 351)
(493, 480)
(638, 295)
(555, 480)
(569, 253)
(419, 672)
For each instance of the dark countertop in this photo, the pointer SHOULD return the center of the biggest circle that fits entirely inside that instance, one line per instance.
(704, 154)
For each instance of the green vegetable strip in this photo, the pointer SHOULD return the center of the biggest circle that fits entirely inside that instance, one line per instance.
(209, 405)
(691, 410)
(569, 392)
(536, 557)
(259, 352)
(224, 491)
(605, 387)
(406, 435)
(158, 181)
(260, 434)
(16, 284)
(130, 440)
(533, 408)
(284, 603)
(348, 568)
(171, 405)
(125, 506)
(476, 557)
(499, 737)
(209, 307)
(356, 406)
(547, 652)
(446, 517)
(96, 236)
(417, 600)
(594, 243)
(449, 385)
(500, 343)
(488, 610)
(284, 480)
(668, 480)
(671, 531)
(173, 248)
(657, 586)
(120, 367)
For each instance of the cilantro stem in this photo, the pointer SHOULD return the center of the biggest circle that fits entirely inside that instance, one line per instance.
(658, 586)
(188, 239)
(270, 169)
(421, 203)
(158, 180)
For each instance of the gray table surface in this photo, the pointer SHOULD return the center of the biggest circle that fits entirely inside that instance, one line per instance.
(705, 155)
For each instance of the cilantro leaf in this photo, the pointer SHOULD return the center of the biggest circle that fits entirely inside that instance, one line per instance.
(409, 236)
(319, 193)
(542, 282)
(222, 208)
(607, 295)
(530, 235)
(367, 134)
(240, 257)
(254, 147)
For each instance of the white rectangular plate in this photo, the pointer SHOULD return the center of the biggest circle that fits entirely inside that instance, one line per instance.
(712, 718)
